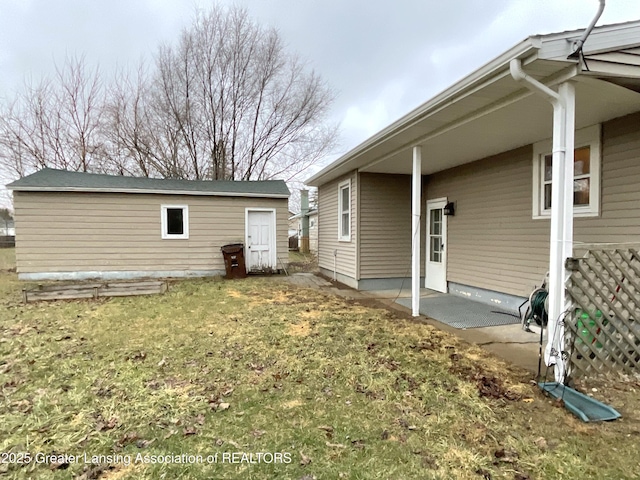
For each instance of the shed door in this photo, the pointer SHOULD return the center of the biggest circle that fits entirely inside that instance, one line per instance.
(261, 236)
(436, 265)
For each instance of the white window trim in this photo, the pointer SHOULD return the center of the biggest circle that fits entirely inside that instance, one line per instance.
(185, 222)
(585, 137)
(341, 186)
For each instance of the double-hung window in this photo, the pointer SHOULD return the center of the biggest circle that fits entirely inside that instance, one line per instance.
(344, 211)
(586, 175)
(175, 221)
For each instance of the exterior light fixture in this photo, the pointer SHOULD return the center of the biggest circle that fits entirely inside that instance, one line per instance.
(449, 209)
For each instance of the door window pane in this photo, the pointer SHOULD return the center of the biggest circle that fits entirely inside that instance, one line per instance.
(435, 249)
(435, 235)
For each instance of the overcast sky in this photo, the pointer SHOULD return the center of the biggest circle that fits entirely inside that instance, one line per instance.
(382, 58)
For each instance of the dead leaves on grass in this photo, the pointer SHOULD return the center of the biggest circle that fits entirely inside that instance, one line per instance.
(95, 472)
(492, 387)
(488, 385)
(102, 424)
(187, 431)
(304, 459)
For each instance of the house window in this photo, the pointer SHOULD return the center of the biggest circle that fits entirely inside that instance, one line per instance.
(175, 221)
(586, 175)
(344, 211)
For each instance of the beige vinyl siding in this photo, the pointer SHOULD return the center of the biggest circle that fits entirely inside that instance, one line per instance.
(385, 226)
(328, 228)
(494, 243)
(619, 220)
(74, 232)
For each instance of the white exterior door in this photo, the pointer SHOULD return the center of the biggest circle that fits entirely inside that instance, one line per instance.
(436, 262)
(261, 237)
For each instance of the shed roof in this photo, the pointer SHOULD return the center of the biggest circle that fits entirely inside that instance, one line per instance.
(53, 180)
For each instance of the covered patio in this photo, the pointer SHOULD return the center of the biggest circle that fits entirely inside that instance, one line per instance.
(546, 87)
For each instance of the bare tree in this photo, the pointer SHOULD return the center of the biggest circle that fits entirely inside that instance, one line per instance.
(6, 221)
(54, 123)
(227, 102)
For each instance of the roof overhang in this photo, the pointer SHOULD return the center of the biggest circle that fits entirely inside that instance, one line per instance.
(488, 112)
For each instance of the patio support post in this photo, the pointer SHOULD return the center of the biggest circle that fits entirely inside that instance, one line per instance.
(561, 235)
(416, 182)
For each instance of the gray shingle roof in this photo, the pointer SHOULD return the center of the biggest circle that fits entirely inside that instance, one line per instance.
(52, 180)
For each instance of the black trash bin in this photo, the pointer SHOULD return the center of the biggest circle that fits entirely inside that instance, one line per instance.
(234, 260)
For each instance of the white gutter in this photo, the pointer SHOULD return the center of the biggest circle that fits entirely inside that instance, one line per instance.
(561, 235)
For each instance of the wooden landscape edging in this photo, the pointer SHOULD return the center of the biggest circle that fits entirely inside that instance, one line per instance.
(95, 290)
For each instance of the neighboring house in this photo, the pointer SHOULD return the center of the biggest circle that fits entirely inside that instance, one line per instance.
(72, 225)
(484, 148)
(313, 229)
(293, 231)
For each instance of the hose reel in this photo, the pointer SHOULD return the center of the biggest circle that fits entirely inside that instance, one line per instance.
(538, 309)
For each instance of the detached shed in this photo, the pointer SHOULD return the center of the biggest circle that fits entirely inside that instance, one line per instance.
(72, 225)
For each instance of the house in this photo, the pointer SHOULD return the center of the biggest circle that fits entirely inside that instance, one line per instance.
(487, 186)
(312, 215)
(72, 225)
(293, 231)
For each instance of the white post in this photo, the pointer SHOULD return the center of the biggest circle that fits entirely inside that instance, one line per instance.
(561, 237)
(416, 182)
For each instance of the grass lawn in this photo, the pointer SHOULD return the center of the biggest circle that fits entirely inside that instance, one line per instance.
(7, 258)
(302, 262)
(311, 385)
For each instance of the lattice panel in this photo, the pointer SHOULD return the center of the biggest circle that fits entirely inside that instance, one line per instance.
(603, 327)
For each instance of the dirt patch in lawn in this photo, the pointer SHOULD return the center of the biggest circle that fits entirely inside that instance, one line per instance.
(301, 329)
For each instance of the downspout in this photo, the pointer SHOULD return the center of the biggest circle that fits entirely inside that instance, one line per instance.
(519, 75)
(561, 234)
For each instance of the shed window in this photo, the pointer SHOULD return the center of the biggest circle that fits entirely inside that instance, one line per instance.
(344, 211)
(586, 175)
(175, 221)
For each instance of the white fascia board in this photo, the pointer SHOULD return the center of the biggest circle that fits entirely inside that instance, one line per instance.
(155, 192)
(602, 39)
(524, 50)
